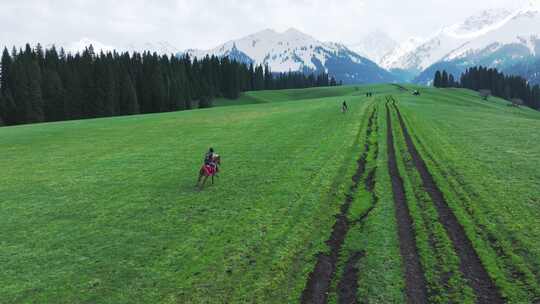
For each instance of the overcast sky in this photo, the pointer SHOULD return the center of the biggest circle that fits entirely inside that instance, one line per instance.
(207, 23)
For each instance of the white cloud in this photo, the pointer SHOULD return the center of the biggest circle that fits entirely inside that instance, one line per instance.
(206, 23)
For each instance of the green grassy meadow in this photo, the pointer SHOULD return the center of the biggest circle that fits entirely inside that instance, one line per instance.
(106, 210)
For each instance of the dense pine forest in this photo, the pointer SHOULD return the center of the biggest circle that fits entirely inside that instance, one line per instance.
(40, 85)
(494, 82)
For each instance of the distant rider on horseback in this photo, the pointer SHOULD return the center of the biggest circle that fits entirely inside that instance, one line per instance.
(210, 167)
(344, 107)
(209, 160)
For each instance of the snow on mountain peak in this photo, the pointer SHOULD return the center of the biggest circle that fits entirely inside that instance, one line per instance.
(521, 27)
(389, 59)
(293, 32)
(490, 28)
(85, 42)
(375, 46)
(479, 24)
(293, 50)
(160, 47)
(290, 50)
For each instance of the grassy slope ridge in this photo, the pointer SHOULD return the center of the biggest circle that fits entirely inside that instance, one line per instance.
(105, 210)
(346, 92)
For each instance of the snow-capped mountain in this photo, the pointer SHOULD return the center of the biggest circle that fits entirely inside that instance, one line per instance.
(391, 59)
(521, 28)
(160, 47)
(375, 46)
(79, 46)
(293, 50)
(505, 40)
(446, 40)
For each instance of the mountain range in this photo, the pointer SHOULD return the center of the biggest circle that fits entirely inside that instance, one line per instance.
(293, 50)
(508, 40)
(496, 39)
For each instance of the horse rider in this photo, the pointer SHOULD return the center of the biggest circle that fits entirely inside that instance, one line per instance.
(344, 107)
(209, 160)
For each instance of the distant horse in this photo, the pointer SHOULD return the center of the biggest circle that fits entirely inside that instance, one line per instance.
(209, 171)
(344, 107)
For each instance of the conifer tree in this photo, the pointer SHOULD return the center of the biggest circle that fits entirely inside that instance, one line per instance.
(45, 85)
(36, 113)
(437, 79)
(2, 109)
(451, 81)
(8, 108)
(5, 71)
(444, 79)
(53, 96)
(128, 97)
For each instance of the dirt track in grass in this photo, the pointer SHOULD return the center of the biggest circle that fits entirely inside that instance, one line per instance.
(470, 264)
(319, 280)
(348, 285)
(415, 282)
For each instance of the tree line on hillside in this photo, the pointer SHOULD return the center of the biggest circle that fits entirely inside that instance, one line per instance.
(40, 85)
(500, 85)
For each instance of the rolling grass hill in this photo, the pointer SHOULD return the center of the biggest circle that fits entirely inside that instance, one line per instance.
(405, 198)
(302, 94)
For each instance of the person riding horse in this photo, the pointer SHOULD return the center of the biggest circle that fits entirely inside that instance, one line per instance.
(209, 160)
(210, 167)
(344, 107)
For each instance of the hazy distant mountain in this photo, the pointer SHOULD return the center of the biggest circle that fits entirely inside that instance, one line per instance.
(293, 50)
(79, 46)
(375, 46)
(528, 69)
(160, 47)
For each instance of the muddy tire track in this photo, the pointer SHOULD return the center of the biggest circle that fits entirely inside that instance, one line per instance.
(527, 272)
(470, 264)
(415, 282)
(348, 285)
(320, 279)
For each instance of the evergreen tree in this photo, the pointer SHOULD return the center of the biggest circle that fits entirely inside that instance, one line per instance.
(73, 95)
(158, 91)
(508, 87)
(333, 82)
(7, 108)
(259, 79)
(437, 80)
(267, 78)
(21, 92)
(2, 109)
(35, 113)
(451, 81)
(5, 71)
(53, 96)
(45, 85)
(444, 80)
(128, 97)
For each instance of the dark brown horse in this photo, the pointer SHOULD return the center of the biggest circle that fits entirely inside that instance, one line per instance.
(208, 171)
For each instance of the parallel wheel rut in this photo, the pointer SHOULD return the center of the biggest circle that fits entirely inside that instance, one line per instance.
(319, 281)
(470, 264)
(415, 282)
